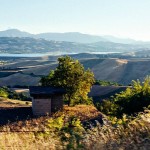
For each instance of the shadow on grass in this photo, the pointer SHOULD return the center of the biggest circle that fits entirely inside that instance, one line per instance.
(9, 115)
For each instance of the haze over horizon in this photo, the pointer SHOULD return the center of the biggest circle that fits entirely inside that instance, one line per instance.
(123, 19)
(100, 35)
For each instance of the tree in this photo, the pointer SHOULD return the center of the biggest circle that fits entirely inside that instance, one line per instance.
(72, 76)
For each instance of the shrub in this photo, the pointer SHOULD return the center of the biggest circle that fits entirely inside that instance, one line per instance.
(108, 107)
(68, 128)
(7, 93)
(134, 99)
(3, 92)
(130, 101)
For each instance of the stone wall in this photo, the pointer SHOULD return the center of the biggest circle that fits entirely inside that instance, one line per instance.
(57, 103)
(41, 106)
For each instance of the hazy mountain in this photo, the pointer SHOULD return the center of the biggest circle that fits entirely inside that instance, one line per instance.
(119, 40)
(32, 45)
(39, 45)
(69, 37)
(14, 33)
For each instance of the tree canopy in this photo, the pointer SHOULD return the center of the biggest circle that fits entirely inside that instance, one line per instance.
(71, 75)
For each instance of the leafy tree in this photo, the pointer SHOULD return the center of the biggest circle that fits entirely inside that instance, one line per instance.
(130, 101)
(72, 76)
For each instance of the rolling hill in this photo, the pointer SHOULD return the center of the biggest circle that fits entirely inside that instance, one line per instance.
(28, 45)
(122, 71)
(14, 33)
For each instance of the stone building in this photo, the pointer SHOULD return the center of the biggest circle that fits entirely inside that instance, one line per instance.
(46, 100)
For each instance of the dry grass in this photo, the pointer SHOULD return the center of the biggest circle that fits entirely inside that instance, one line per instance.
(26, 141)
(83, 112)
(135, 135)
(8, 103)
(22, 134)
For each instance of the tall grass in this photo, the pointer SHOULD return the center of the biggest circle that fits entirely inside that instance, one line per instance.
(35, 134)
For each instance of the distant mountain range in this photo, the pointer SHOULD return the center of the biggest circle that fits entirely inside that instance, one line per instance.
(16, 41)
(14, 33)
(22, 45)
(69, 37)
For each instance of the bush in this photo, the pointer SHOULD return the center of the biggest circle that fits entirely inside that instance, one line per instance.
(68, 128)
(130, 101)
(3, 92)
(134, 99)
(108, 107)
(6, 93)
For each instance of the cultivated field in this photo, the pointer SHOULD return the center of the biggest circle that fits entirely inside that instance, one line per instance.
(28, 71)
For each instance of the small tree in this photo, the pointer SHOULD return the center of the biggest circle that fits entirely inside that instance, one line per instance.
(72, 76)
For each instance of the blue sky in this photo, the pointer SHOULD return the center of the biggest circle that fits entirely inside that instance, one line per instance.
(122, 18)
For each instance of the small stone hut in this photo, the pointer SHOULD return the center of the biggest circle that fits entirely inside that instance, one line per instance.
(46, 100)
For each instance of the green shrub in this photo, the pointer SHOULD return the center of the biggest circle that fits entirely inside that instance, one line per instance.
(3, 92)
(69, 129)
(108, 107)
(134, 99)
(130, 101)
(7, 93)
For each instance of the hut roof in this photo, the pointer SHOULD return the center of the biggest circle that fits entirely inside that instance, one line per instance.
(42, 90)
(96, 90)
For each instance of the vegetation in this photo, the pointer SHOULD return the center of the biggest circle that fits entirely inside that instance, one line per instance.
(4, 92)
(106, 83)
(130, 101)
(70, 74)
(65, 131)
(7, 93)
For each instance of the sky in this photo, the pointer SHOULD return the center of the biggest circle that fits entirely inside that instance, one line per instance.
(121, 18)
